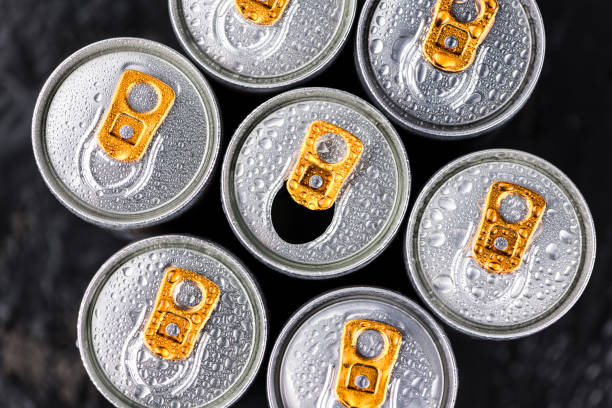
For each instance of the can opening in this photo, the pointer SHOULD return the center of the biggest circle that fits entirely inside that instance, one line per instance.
(295, 223)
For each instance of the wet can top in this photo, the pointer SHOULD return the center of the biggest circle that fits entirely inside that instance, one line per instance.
(172, 321)
(233, 41)
(365, 347)
(267, 153)
(433, 78)
(126, 133)
(500, 244)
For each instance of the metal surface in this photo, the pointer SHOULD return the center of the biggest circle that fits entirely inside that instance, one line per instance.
(451, 45)
(264, 12)
(126, 133)
(115, 194)
(302, 43)
(363, 379)
(555, 268)
(173, 328)
(441, 104)
(111, 319)
(368, 210)
(304, 362)
(499, 243)
(310, 168)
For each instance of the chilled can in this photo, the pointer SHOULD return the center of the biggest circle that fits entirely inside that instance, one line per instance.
(126, 133)
(362, 347)
(262, 45)
(331, 154)
(172, 321)
(500, 244)
(449, 69)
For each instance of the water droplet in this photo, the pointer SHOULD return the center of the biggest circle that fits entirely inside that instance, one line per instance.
(376, 46)
(442, 283)
(142, 281)
(447, 203)
(474, 98)
(98, 97)
(552, 250)
(472, 273)
(465, 187)
(265, 143)
(436, 239)
(566, 236)
(478, 292)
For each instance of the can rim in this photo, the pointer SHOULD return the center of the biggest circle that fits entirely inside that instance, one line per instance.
(563, 305)
(425, 321)
(467, 130)
(305, 270)
(257, 84)
(84, 344)
(143, 219)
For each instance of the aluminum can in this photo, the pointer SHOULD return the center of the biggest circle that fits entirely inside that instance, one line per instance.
(362, 347)
(250, 51)
(172, 321)
(370, 203)
(500, 244)
(126, 133)
(399, 45)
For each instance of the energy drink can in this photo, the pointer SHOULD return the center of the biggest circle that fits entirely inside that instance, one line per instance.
(172, 321)
(332, 155)
(500, 244)
(362, 347)
(450, 69)
(126, 133)
(262, 45)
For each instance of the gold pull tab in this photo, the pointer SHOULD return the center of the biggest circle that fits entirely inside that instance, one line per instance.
(362, 382)
(451, 44)
(314, 183)
(172, 330)
(263, 12)
(517, 235)
(125, 133)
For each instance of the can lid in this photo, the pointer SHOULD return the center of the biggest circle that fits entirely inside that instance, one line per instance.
(479, 80)
(172, 321)
(373, 195)
(126, 133)
(233, 44)
(361, 345)
(500, 244)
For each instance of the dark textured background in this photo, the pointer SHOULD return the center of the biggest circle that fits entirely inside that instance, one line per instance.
(48, 256)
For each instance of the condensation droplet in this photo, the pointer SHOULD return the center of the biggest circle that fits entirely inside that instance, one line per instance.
(442, 283)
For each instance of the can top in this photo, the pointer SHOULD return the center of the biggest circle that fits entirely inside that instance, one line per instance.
(394, 66)
(542, 265)
(127, 296)
(119, 179)
(368, 209)
(303, 39)
(308, 362)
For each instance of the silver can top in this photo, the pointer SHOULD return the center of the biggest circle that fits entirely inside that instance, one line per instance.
(303, 39)
(443, 240)
(306, 365)
(370, 205)
(118, 309)
(439, 103)
(124, 83)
